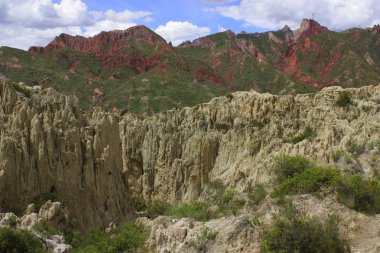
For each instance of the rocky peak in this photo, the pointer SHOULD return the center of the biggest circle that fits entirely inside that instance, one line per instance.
(309, 27)
(94, 43)
(286, 29)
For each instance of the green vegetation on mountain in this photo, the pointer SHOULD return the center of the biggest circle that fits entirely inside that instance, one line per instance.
(12, 241)
(138, 71)
(296, 175)
(293, 231)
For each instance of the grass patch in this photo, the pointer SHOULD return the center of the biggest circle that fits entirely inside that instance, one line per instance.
(295, 232)
(197, 210)
(127, 238)
(12, 241)
(353, 190)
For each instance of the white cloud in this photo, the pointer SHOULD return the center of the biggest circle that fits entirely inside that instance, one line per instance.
(274, 14)
(177, 32)
(24, 23)
(221, 29)
(106, 25)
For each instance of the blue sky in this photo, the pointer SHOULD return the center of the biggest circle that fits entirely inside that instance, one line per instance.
(163, 11)
(25, 23)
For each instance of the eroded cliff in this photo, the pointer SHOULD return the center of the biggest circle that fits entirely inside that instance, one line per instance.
(95, 160)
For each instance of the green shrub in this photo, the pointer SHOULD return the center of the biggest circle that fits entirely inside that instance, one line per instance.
(72, 234)
(287, 166)
(12, 241)
(45, 228)
(156, 209)
(229, 96)
(257, 194)
(127, 238)
(344, 99)
(295, 232)
(355, 149)
(197, 210)
(354, 191)
(43, 198)
(137, 203)
(207, 234)
(215, 190)
(360, 194)
(308, 181)
(336, 155)
(22, 89)
(308, 133)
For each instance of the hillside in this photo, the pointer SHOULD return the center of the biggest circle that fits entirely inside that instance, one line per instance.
(138, 71)
(107, 168)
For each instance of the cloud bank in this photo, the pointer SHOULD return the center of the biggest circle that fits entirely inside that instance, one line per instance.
(177, 32)
(24, 23)
(274, 14)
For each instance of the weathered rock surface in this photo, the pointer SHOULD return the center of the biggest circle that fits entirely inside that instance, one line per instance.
(94, 161)
(48, 145)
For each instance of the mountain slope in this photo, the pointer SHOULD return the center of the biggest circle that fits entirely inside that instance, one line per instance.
(311, 55)
(137, 70)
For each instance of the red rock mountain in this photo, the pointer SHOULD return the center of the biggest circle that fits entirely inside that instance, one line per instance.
(138, 69)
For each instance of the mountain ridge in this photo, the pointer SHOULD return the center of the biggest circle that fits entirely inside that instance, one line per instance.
(138, 70)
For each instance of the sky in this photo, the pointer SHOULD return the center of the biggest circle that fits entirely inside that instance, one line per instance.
(25, 23)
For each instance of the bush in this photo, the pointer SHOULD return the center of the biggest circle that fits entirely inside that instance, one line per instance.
(23, 89)
(344, 99)
(354, 191)
(156, 209)
(257, 194)
(308, 181)
(197, 210)
(137, 203)
(295, 232)
(287, 166)
(355, 149)
(72, 234)
(45, 197)
(360, 194)
(128, 238)
(12, 241)
(336, 155)
(45, 228)
(308, 133)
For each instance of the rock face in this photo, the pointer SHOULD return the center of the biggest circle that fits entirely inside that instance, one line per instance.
(95, 161)
(115, 55)
(48, 145)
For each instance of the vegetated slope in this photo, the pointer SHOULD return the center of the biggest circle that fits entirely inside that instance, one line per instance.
(276, 61)
(136, 69)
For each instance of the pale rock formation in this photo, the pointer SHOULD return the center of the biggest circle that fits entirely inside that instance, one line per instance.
(95, 161)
